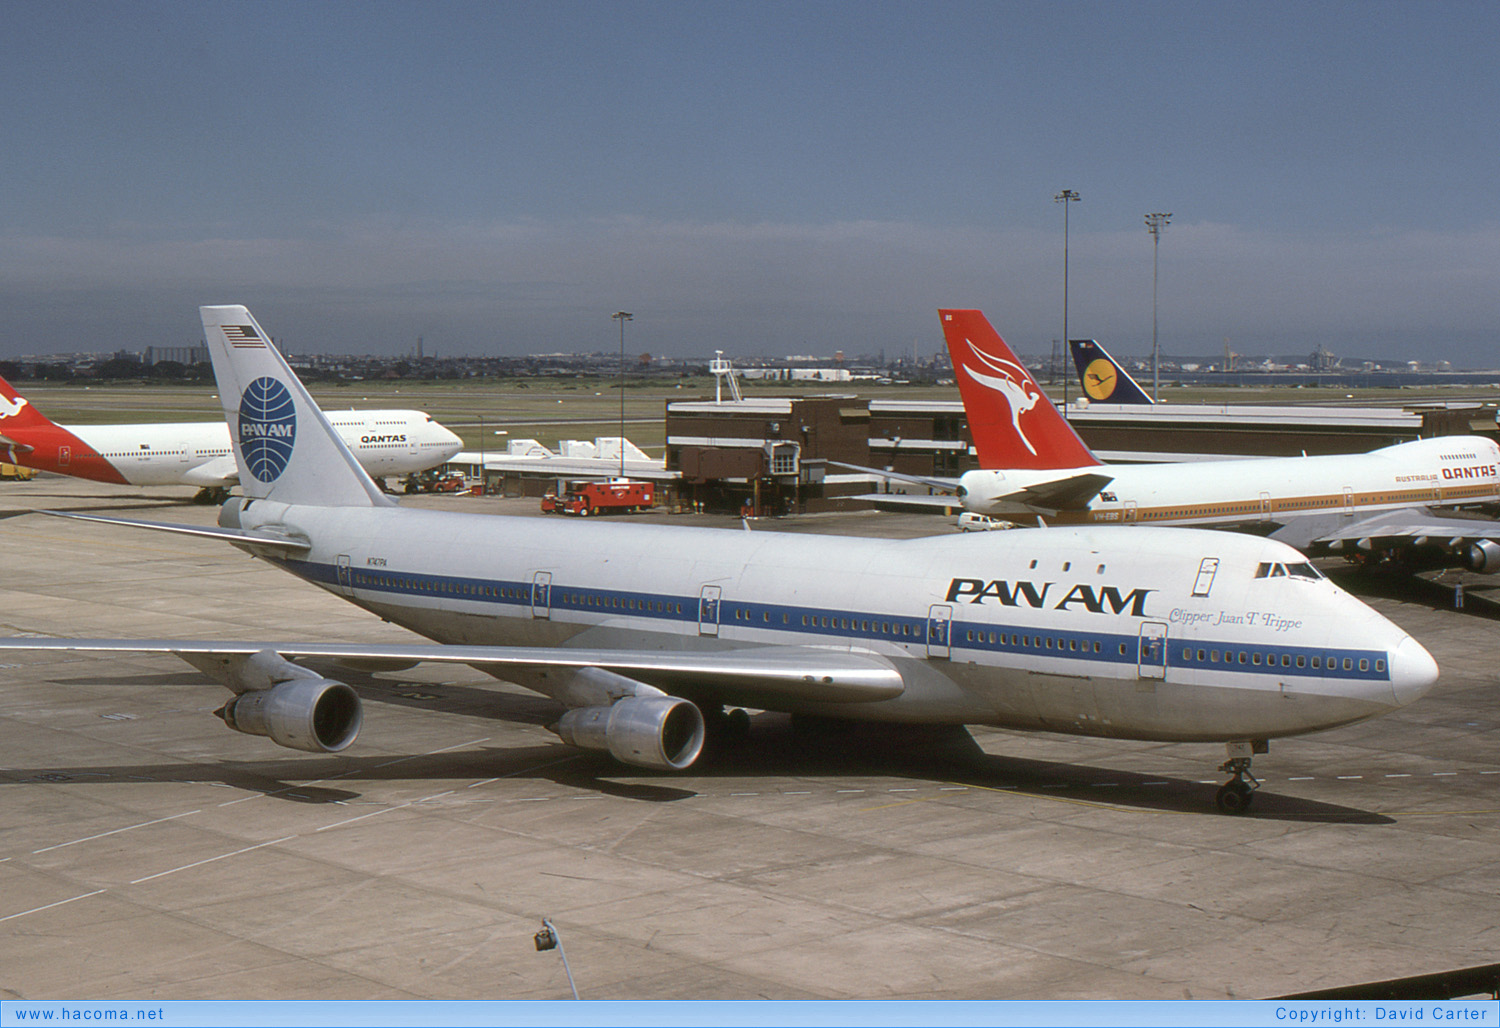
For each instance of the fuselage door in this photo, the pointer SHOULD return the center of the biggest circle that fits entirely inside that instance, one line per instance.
(1129, 513)
(708, 610)
(1152, 661)
(541, 595)
(939, 630)
(1265, 506)
(1348, 502)
(346, 583)
(1208, 567)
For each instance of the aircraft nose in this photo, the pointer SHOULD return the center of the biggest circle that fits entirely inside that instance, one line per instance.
(1413, 671)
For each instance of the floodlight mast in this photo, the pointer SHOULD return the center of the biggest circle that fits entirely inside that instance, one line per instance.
(1067, 197)
(622, 317)
(1155, 222)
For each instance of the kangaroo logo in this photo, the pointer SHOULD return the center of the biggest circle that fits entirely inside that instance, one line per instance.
(1011, 382)
(10, 408)
(268, 428)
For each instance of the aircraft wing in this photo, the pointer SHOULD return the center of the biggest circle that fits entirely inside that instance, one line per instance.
(1416, 525)
(232, 535)
(221, 471)
(754, 676)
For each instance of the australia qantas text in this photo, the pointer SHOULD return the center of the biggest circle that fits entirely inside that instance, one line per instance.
(645, 635)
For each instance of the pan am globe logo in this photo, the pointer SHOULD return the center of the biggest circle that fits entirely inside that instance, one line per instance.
(268, 428)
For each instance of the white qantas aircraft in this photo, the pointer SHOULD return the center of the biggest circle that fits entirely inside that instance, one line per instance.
(386, 442)
(1373, 502)
(637, 630)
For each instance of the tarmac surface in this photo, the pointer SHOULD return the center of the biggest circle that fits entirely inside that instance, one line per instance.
(147, 851)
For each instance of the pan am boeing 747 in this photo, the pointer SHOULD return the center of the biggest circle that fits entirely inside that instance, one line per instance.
(638, 631)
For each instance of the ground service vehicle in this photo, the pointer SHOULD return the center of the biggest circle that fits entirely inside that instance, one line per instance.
(434, 481)
(618, 495)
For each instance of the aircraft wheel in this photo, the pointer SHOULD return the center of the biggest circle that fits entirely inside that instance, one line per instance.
(1234, 797)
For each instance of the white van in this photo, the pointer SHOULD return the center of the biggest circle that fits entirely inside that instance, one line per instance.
(968, 521)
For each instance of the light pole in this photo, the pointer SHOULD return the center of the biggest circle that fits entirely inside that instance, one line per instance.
(622, 317)
(1155, 222)
(1067, 197)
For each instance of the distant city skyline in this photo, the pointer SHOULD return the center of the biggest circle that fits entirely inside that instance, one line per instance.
(754, 177)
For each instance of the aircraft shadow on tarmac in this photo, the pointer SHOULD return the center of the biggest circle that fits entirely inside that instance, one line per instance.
(776, 747)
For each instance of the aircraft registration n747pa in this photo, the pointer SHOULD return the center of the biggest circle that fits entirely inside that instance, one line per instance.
(638, 631)
(386, 442)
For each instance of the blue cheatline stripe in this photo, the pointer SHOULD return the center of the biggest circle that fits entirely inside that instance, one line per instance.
(515, 598)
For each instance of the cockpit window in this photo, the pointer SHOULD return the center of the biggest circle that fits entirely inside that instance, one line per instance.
(1303, 570)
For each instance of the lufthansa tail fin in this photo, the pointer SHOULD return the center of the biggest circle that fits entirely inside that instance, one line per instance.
(1102, 377)
(1013, 424)
(286, 450)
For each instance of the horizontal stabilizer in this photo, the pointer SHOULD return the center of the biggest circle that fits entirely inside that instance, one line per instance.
(233, 535)
(911, 502)
(793, 673)
(945, 484)
(1071, 493)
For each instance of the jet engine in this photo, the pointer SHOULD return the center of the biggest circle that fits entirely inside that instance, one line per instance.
(317, 715)
(659, 732)
(1483, 557)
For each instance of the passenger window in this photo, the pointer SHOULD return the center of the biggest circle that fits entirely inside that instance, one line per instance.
(1380, 665)
(1255, 659)
(1286, 660)
(1301, 660)
(1364, 664)
(1348, 664)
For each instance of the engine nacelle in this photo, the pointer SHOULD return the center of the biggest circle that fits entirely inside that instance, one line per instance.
(1483, 557)
(662, 733)
(317, 715)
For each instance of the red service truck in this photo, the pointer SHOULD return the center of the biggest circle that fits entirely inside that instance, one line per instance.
(589, 498)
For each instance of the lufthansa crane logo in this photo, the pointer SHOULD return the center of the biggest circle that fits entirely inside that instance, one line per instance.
(1011, 382)
(1099, 379)
(268, 428)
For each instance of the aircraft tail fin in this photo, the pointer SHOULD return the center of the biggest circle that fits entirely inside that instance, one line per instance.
(285, 448)
(17, 415)
(1102, 377)
(1013, 424)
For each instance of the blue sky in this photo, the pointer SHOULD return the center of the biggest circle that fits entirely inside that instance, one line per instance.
(763, 178)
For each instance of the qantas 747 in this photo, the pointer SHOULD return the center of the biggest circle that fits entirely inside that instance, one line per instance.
(640, 631)
(1034, 463)
(197, 453)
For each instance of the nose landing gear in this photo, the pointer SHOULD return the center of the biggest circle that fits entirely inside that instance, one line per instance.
(1235, 795)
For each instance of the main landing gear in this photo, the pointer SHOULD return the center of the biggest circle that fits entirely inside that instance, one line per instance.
(1235, 795)
(211, 494)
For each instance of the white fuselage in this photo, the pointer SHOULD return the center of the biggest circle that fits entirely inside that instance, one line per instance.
(386, 442)
(1445, 471)
(1083, 631)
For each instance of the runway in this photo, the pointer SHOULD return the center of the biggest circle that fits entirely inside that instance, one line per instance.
(148, 852)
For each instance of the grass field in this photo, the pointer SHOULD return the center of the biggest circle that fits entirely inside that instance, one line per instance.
(552, 409)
